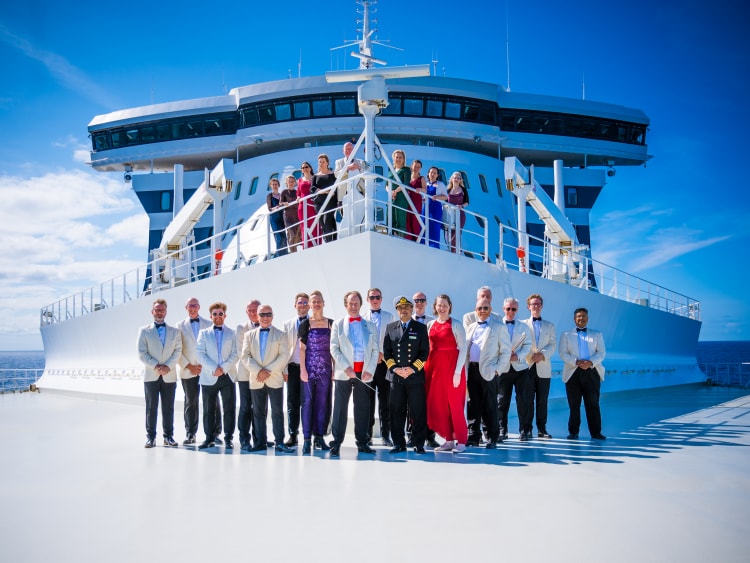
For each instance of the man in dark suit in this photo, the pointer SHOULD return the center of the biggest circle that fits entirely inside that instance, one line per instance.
(159, 348)
(405, 350)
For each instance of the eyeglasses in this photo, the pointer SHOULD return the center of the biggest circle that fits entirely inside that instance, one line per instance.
(511, 308)
(483, 308)
(374, 297)
(265, 315)
(217, 313)
(420, 300)
(535, 304)
(302, 303)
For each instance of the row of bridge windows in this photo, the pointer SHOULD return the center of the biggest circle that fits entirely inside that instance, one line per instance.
(345, 105)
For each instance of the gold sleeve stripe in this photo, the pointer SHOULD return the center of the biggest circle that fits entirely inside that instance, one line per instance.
(419, 364)
(390, 363)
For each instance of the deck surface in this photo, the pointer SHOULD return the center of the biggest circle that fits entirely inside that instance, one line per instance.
(672, 483)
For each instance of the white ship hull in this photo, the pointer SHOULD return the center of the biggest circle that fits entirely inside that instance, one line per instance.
(96, 353)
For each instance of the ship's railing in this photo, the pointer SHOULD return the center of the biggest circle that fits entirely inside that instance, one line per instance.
(565, 265)
(727, 374)
(13, 380)
(245, 247)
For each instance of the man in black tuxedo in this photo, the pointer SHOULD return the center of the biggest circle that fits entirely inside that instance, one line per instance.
(405, 350)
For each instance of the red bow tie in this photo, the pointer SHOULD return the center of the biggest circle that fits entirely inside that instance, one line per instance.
(355, 319)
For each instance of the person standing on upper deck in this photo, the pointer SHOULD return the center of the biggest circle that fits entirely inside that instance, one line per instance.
(276, 217)
(582, 351)
(306, 211)
(398, 196)
(419, 186)
(323, 179)
(543, 345)
(291, 222)
(433, 208)
(159, 348)
(458, 196)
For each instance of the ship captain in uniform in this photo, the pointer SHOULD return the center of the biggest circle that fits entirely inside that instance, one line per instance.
(405, 349)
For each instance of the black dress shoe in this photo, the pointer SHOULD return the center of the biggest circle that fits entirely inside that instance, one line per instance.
(409, 443)
(419, 450)
(245, 447)
(600, 437)
(169, 442)
(432, 443)
(387, 442)
(365, 449)
(206, 444)
(472, 444)
(320, 444)
(150, 443)
(524, 436)
(259, 447)
(572, 436)
(292, 441)
(335, 450)
(491, 445)
(228, 444)
(282, 449)
(397, 449)
(307, 447)
(544, 434)
(189, 440)
(218, 441)
(270, 444)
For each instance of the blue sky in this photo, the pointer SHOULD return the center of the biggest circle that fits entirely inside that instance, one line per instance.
(681, 222)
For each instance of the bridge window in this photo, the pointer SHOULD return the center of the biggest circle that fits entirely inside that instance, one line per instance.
(322, 108)
(283, 112)
(345, 106)
(434, 108)
(413, 106)
(453, 110)
(394, 106)
(165, 202)
(302, 110)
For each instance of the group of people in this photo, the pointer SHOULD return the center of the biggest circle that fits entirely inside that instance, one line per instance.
(429, 375)
(299, 222)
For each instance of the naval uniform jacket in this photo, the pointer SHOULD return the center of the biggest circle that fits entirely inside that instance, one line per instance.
(402, 348)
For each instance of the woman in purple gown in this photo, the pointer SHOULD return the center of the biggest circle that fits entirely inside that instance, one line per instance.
(316, 371)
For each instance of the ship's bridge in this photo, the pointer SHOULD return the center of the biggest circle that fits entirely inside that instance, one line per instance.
(461, 114)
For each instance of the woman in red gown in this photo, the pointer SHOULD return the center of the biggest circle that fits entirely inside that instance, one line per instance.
(445, 377)
(419, 185)
(306, 207)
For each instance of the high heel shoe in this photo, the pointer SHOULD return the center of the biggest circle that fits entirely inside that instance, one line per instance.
(321, 444)
(306, 447)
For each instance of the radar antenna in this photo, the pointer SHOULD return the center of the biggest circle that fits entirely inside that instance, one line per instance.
(367, 38)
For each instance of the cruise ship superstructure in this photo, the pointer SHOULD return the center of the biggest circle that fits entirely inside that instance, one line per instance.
(534, 166)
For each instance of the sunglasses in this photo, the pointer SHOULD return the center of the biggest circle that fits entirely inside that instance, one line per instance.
(217, 314)
(265, 315)
(511, 308)
(483, 308)
(374, 297)
(420, 300)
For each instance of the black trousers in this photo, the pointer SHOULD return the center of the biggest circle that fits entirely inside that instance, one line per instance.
(153, 391)
(261, 398)
(192, 389)
(538, 398)
(482, 406)
(383, 389)
(225, 388)
(584, 384)
(413, 395)
(293, 398)
(362, 409)
(508, 381)
(245, 418)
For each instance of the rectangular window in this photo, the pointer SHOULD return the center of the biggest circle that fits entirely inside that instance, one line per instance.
(345, 106)
(212, 127)
(195, 129)
(163, 132)
(301, 110)
(283, 112)
(322, 108)
(266, 114)
(434, 108)
(572, 197)
(453, 110)
(132, 136)
(165, 202)
(413, 106)
(394, 107)
(249, 117)
(101, 142)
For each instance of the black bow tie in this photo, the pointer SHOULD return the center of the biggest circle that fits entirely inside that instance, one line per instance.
(160, 325)
(195, 320)
(302, 319)
(218, 328)
(255, 325)
(420, 317)
(537, 318)
(580, 330)
(265, 329)
(375, 312)
(510, 322)
(482, 322)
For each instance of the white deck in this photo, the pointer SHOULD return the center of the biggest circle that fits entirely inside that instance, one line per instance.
(670, 484)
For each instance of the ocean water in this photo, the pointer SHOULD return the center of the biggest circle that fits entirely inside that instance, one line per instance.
(729, 351)
(19, 369)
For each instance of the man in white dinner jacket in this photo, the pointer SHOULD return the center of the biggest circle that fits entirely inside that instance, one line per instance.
(265, 353)
(217, 351)
(159, 348)
(355, 349)
(582, 351)
(189, 368)
(543, 345)
(484, 292)
(292, 369)
(380, 318)
(245, 416)
(487, 356)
